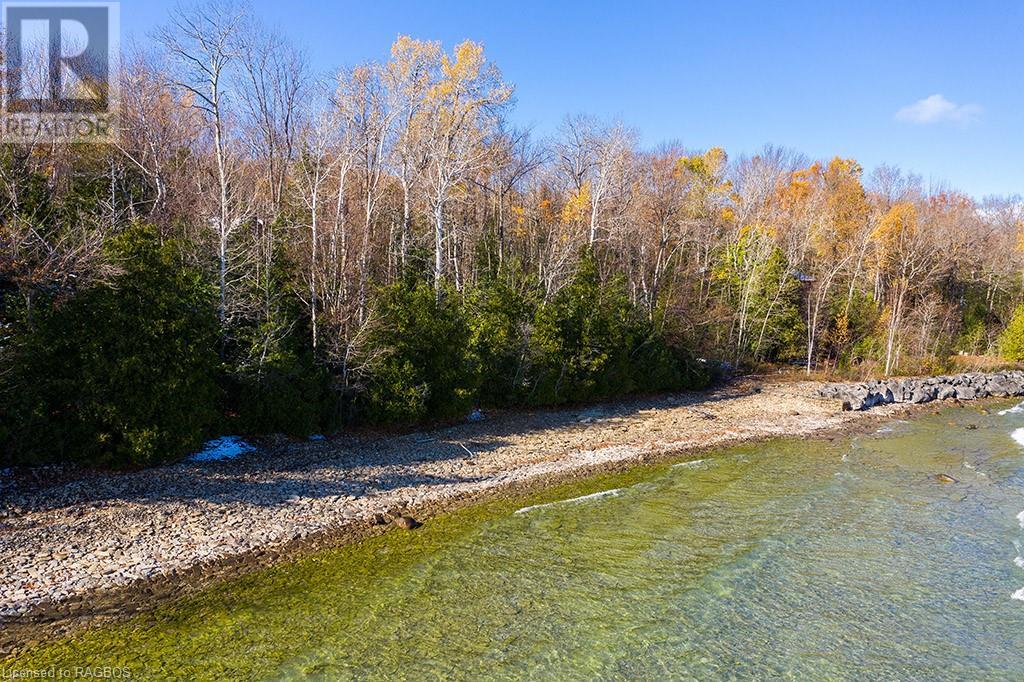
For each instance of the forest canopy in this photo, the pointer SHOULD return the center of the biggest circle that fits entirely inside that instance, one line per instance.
(264, 250)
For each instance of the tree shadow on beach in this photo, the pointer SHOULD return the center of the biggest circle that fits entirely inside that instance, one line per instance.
(348, 466)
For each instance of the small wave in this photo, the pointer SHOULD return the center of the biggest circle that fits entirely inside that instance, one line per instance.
(1020, 519)
(1018, 435)
(1018, 561)
(592, 496)
(1016, 409)
(1018, 595)
(690, 465)
(892, 426)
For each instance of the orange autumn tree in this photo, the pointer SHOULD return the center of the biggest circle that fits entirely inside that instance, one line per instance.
(900, 255)
(826, 207)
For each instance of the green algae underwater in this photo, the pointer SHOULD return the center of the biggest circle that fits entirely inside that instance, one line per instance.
(783, 559)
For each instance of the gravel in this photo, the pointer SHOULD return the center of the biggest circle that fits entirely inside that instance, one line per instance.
(84, 532)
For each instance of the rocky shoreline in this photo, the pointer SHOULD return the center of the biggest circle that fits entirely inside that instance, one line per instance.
(918, 390)
(85, 547)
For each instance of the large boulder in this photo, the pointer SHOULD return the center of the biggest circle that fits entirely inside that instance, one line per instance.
(907, 388)
(830, 390)
(922, 394)
(966, 392)
(998, 387)
(856, 397)
(895, 389)
(967, 386)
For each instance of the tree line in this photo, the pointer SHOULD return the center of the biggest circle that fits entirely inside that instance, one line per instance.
(264, 249)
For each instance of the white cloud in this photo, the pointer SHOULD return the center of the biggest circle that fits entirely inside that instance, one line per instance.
(938, 109)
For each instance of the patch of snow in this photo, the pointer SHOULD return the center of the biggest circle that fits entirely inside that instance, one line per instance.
(226, 447)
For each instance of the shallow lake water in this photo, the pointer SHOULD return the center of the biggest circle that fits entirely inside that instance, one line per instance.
(803, 559)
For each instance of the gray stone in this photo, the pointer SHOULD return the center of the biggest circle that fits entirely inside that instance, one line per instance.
(999, 388)
(964, 392)
(967, 386)
(922, 394)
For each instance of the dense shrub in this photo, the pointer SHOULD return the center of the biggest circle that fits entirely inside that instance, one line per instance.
(138, 371)
(500, 345)
(273, 380)
(591, 342)
(579, 347)
(975, 320)
(118, 374)
(419, 367)
(853, 334)
(289, 393)
(770, 296)
(500, 312)
(1011, 342)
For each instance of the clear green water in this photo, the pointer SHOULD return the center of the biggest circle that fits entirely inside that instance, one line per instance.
(844, 560)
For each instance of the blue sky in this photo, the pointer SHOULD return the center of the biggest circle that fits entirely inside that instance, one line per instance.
(932, 87)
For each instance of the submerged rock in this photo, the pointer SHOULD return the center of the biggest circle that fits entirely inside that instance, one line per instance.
(407, 523)
(945, 478)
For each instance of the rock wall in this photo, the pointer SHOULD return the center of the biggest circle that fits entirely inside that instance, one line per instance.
(969, 386)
